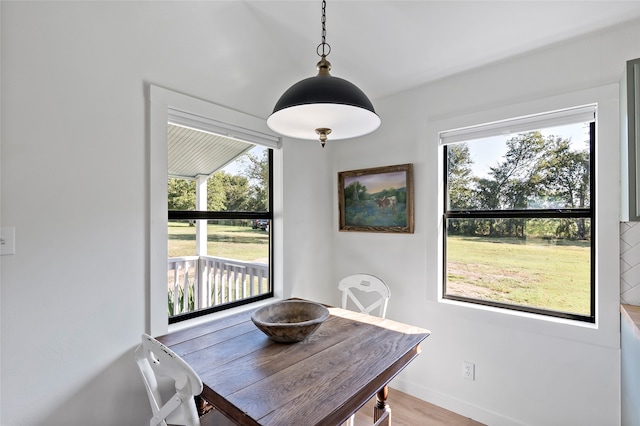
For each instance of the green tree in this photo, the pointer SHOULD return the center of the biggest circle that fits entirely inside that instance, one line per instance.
(459, 176)
(513, 183)
(566, 178)
(237, 192)
(535, 172)
(256, 170)
(226, 192)
(517, 176)
(181, 194)
(566, 174)
(355, 192)
(216, 193)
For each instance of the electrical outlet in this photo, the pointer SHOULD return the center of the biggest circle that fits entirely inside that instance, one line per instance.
(469, 370)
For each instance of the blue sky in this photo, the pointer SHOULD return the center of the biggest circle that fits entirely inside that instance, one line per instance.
(487, 152)
(378, 182)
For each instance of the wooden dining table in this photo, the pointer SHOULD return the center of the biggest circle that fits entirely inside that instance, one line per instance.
(321, 380)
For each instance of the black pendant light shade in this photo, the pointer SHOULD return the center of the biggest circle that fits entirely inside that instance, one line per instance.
(326, 102)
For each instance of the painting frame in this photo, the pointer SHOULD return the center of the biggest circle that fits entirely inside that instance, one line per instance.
(389, 208)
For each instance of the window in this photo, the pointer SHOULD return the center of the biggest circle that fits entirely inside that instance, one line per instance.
(219, 219)
(519, 221)
(236, 132)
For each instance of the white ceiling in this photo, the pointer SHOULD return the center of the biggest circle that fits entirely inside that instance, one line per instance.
(389, 46)
(244, 54)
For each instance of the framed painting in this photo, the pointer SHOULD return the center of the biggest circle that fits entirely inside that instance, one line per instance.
(379, 199)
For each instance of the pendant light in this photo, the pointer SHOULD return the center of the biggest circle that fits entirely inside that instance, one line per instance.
(323, 106)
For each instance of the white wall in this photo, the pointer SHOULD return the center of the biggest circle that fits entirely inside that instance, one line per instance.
(74, 184)
(74, 179)
(0, 207)
(528, 371)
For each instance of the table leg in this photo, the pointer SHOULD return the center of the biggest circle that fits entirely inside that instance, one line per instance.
(202, 406)
(382, 411)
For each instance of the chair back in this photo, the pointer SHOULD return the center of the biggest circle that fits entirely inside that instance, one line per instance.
(155, 361)
(368, 284)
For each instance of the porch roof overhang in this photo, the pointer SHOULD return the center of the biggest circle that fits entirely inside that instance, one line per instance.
(193, 153)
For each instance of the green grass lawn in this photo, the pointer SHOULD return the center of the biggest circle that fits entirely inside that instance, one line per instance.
(535, 273)
(233, 242)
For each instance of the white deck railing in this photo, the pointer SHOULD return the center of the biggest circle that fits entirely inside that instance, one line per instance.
(197, 282)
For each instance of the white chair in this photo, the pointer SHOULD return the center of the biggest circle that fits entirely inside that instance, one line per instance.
(156, 363)
(353, 288)
(364, 284)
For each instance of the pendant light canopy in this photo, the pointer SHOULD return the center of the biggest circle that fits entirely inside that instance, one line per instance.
(323, 107)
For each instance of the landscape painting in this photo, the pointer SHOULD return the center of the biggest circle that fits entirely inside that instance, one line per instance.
(376, 200)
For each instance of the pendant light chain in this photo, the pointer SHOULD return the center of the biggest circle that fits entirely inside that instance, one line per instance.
(326, 48)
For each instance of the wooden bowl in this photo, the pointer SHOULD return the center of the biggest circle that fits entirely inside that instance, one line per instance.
(290, 321)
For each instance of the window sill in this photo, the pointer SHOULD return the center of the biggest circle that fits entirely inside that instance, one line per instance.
(520, 314)
(216, 315)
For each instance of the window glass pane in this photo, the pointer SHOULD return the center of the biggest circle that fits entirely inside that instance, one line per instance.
(246, 182)
(181, 238)
(234, 264)
(240, 186)
(219, 228)
(535, 263)
(545, 169)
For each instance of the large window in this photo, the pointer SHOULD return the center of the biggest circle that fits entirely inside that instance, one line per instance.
(219, 222)
(519, 221)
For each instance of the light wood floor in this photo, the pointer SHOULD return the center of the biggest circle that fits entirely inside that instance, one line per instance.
(407, 410)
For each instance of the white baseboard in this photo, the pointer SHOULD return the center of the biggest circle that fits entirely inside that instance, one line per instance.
(452, 404)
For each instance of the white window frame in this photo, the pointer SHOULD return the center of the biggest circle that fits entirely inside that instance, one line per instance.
(163, 104)
(606, 330)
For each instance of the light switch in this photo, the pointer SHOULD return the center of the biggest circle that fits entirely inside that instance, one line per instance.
(7, 241)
